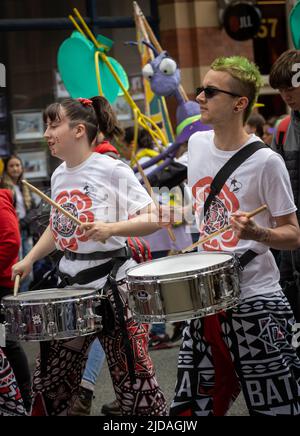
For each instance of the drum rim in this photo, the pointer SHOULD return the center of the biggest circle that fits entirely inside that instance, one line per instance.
(89, 292)
(232, 262)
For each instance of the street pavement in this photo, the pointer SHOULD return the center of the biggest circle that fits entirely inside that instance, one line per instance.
(165, 362)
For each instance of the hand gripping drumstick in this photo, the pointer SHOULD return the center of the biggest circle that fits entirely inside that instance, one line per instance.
(218, 232)
(53, 203)
(16, 284)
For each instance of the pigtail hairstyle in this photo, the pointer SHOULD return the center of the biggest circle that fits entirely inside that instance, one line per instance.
(96, 114)
(107, 120)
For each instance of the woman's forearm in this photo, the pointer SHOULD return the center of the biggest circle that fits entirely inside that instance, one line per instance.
(140, 225)
(43, 247)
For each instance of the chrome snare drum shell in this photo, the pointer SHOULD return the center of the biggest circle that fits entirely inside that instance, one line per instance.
(50, 314)
(178, 288)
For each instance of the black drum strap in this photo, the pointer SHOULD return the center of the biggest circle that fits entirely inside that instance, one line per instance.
(222, 176)
(245, 258)
(230, 166)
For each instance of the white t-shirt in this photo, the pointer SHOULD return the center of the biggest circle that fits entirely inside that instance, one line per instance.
(100, 189)
(261, 179)
(20, 205)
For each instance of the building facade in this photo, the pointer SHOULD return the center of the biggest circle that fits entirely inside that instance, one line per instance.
(31, 32)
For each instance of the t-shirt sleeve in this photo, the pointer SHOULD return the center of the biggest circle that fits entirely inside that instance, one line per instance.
(275, 187)
(131, 195)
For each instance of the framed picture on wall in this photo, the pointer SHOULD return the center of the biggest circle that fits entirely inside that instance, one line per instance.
(59, 87)
(4, 144)
(122, 109)
(136, 87)
(34, 163)
(27, 125)
(3, 112)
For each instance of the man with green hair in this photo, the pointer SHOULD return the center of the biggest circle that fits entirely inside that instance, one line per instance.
(249, 346)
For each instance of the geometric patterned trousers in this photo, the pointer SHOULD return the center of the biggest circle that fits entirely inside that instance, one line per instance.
(249, 348)
(56, 388)
(11, 403)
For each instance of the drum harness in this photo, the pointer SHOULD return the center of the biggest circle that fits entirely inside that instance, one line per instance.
(219, 180)
(110, 269)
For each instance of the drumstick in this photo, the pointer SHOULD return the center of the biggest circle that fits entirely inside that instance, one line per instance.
(150, 192)
(53, 203)
(16, 284)
(218, 232)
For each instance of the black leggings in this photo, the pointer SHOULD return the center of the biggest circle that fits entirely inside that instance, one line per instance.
(19, 362)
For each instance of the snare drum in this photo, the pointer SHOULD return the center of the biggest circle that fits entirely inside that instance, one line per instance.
(182, 287)
(51, 314)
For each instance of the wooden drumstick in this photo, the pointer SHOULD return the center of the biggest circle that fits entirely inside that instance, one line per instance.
(218, 232)
(150, 192)
(52, 202)
(17, 284)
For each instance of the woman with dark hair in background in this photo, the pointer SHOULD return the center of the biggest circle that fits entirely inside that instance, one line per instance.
(12, 179)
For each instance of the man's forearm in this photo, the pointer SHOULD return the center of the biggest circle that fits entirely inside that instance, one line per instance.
(43, 247)
(285, 237)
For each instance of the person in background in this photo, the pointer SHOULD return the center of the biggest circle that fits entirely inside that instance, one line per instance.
(283, 78)
(269, 129)
(255, 124)
(160, 242)
(12, 179)
(9, 249)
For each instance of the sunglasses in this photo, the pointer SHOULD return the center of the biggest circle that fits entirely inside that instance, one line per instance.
(210, 92)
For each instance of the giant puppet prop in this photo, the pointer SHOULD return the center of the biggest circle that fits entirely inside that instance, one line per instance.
(163, 75)
(98, 74)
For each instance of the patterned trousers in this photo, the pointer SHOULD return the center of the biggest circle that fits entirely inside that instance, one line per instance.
(11, 403)
(249, 347)
(56, 388)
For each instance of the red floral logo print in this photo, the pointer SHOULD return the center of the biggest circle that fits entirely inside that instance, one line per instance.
(217, 217)
(67, 233)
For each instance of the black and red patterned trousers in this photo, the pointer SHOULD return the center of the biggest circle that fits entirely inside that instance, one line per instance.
(56, 383)
(249, 347)
(11, 403)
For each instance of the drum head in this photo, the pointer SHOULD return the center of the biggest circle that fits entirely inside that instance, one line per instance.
(181, 264)
(54, 294)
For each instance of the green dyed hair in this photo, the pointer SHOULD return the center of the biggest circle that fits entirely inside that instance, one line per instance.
(247, 79)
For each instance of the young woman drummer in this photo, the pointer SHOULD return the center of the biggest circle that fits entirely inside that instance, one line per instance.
(103, 193)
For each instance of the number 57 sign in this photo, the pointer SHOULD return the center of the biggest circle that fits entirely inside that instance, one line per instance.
(267, 28)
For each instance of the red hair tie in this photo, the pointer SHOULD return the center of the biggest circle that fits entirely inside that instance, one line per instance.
(85, 101)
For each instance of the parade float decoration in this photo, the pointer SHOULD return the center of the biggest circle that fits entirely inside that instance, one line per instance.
(98, 74)
(295, 25)
(163, 76)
